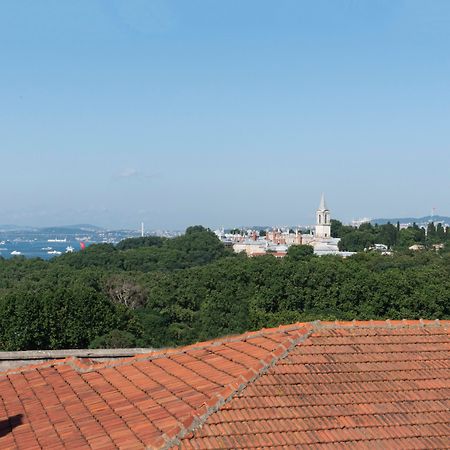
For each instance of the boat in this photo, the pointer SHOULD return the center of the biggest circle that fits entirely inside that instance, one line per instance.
(69, 249)
(57, 240)
(3, 249)
(46, 248)
(16, 253)
(54, 252)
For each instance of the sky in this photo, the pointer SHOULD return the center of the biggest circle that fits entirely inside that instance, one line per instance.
(222, 113)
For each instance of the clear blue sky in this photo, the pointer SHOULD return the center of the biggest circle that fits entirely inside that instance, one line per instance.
(222, 112)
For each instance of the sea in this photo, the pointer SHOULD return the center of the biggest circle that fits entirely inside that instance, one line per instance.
(38, 248)
(47, 245)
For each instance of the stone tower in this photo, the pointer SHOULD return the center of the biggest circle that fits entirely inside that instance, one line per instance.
(323, 221)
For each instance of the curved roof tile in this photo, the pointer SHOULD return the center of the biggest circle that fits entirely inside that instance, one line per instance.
(353, 384)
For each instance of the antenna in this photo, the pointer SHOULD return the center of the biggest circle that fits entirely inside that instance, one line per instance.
(142, 229)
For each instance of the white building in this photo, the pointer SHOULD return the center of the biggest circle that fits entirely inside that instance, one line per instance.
(323, 221)
(322, 242)
(277, 242)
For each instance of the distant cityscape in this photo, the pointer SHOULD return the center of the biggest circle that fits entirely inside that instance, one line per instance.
(53, 241)
(277, 241)
(255, 240)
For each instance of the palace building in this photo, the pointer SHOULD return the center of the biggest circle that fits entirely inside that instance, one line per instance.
(277, 241)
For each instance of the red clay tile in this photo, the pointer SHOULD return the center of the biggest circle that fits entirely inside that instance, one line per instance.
(338, 385)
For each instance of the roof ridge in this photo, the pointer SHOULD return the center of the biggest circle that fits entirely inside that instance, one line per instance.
(388, 323)
(217, 401)
(180, 396)
(81, 365)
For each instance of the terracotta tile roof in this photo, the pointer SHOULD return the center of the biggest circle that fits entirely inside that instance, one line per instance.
(356, 384)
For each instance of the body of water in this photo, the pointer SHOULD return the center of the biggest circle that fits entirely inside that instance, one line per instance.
(37, 248)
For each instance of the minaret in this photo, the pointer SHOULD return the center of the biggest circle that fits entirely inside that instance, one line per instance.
(323, 221)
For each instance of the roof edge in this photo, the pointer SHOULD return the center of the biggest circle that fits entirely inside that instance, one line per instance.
(85, 365)
(192, 423)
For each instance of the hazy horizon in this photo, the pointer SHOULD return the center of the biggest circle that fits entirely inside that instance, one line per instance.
(137, 227)
(222, 113)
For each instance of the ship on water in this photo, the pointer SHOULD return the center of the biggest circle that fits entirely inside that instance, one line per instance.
(47, 243)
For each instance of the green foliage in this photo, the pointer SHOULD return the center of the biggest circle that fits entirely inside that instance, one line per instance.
(148, 241)
(233, 295)
(410, 236)
(198, 246)
(61, 310)
(431, 231)
(168, 292)
(364, 237)
(114, 339)
(338, 230)
(297, 252)
(388, 235)
(357, 241)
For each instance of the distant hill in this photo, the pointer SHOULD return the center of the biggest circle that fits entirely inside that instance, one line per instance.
(71, 229)
(86, 226)
(10, 227)
(63, 229)
(417, 220)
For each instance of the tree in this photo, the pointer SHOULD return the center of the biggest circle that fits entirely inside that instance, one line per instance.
(148, 241)
(357, 241)
(388, 235)
(125, 291)
(298, 252)
(190, 288)
(440, 232)
(366, 226)
(336, 228)
(431, 231)
(410, 236)
(114, 339)
(60, 309)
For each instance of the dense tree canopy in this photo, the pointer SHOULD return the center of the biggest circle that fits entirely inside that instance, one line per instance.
(159, 292)
(358, 239)
(297, 252)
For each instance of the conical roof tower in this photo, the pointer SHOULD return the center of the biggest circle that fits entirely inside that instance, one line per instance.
(323, 221)
(323, 205)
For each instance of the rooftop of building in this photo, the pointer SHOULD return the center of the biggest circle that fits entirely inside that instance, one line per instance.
(324, 384)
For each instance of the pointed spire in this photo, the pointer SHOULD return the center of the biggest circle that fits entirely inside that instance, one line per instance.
(323, 205)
